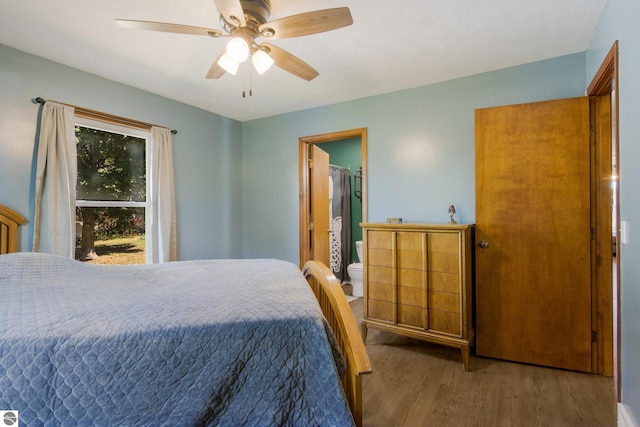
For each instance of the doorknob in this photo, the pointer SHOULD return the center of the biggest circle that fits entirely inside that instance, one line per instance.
(484, 244)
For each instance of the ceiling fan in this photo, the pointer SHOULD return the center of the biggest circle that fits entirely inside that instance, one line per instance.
(246, 20)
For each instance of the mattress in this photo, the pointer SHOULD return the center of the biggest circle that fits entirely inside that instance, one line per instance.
(210, 342)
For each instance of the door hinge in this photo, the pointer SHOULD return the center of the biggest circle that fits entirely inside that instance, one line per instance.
(310, 226)
(310, 164)
(594, 336)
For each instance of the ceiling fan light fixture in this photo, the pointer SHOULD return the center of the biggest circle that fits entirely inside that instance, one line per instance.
(261, 61)
(243, 21)
(238, 49)
(229, 64)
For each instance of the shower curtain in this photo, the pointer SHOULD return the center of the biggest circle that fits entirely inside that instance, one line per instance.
(340, 214)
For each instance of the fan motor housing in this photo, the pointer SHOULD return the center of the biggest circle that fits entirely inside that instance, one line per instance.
(256, 12)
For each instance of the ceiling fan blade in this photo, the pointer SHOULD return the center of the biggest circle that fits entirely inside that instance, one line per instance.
(290, 62)
(215, 71)
(168, 28)
(307, 23)
(231, 11)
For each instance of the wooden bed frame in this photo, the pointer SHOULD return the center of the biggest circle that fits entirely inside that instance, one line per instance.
(9, 222)
(338, 313)
(325, 286)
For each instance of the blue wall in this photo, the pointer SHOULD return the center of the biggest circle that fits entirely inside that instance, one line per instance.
(206, 150)
(420, 149)
(620, 22)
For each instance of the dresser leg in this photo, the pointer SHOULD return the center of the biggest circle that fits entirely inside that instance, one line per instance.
(363, 330)
(464, 350)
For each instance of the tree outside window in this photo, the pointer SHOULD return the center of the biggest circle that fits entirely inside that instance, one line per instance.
(111, 198)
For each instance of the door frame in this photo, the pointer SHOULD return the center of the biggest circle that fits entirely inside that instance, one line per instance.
(607, 294)
(304, 143)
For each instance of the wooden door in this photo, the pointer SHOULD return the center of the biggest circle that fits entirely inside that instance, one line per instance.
(320, 215)
(533, 241)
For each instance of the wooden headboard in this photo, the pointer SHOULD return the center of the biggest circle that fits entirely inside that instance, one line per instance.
(9, 222)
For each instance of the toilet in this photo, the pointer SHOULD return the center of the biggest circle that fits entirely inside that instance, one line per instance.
(355, 272)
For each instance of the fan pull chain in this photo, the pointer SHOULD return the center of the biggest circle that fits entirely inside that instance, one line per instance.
(244, 75)
(244, 93)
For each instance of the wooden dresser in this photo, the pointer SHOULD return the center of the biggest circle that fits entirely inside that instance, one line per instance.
(418, 282)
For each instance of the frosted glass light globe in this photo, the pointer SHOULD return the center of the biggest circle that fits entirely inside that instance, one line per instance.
(261, 61)
(238, 49)
(228, 64)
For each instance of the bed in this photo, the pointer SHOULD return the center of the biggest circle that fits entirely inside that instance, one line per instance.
(177, 343)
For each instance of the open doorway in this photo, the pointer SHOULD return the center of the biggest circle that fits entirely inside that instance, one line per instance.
(314, 232)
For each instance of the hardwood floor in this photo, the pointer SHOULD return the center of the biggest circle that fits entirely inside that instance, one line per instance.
(420, 384)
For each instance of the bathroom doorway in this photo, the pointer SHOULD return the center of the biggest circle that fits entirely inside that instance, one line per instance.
(314, 233)
(345, 205)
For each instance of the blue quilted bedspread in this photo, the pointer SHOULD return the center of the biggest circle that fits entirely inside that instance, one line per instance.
(217, 342)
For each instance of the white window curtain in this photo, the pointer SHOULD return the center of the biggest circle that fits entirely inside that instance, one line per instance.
(56, 175)
(162, 227)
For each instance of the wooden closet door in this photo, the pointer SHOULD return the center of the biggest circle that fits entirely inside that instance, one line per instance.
(533, 241)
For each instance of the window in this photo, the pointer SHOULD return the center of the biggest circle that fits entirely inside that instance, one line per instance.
(112, 193)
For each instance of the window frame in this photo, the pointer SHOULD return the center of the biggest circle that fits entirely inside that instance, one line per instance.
(147, 204)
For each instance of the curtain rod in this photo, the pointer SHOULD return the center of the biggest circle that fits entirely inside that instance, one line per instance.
(341, 167)
(98, 115)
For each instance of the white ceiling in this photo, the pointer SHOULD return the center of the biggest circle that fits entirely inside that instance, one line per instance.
(391, 45)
